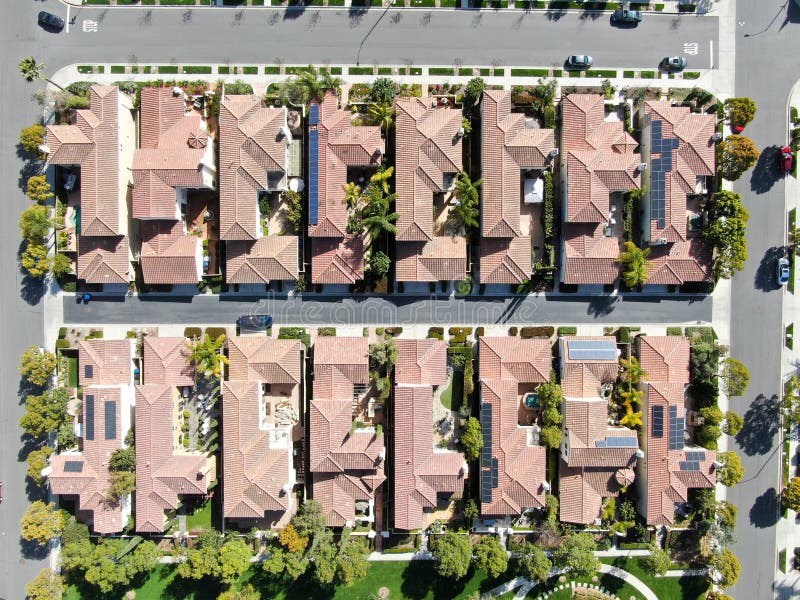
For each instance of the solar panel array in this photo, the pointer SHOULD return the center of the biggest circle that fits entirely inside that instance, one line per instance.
(689, 465)
(486, 454)
(88, 407)
(73, 466)
(676, 426)
(111, 419)
(494, 472)
(617, 442)
(658, 421)
(696, 456)
(88, 371)
(313, 165)
(659, 167)
(592, 350)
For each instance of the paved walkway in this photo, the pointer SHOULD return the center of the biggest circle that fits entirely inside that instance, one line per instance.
(628, 578)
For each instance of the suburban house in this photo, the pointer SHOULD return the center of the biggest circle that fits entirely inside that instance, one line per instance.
(423, 475)
(678, 147)
(261, 422)
(513, 155)
(255, 152)
(597, 459)
(339, 151)
(166, 360)
(429, 156)
(175, 155)
(346, 455)
(672, 468)
(105, 372)
(100, 144)
(165, 469)
(598, 165)
(512, 462)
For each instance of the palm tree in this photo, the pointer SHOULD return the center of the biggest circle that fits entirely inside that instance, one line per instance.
(382, 114)
(32, 70)
(631, 418)
(631, 397)
(632, 371)
(635, 263)
(206, 356)
(376, 217)
(465, 212)
(352, 194)
(381, 179)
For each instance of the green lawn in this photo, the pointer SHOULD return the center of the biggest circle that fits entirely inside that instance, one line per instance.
(686, 588)
(447, 395)
(200, 518)
(72, 379)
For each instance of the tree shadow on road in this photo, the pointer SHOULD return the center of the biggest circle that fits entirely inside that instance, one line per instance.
(765, 511)
(765, 172)
(555, 14)
(602, 306)
(765, 278)
(760, 426)
(32, 550)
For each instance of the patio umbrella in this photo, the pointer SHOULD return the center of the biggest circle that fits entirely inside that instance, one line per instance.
(624, 476)
(198, 139)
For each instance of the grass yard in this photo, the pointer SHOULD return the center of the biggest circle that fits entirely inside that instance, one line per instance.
(447, 395)
(200, 517)
(685, 588)
(72, 379)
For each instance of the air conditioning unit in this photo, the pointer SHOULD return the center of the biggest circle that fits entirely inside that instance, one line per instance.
(717, 137)
(643, 166)
(44, 149)
(553, 153)
(660, 242)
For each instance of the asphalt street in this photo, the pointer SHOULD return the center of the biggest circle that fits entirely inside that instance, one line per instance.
(397, 310)
(766, 30)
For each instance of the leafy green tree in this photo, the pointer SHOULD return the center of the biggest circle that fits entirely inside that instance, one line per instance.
(491, 556)
(204, 559)
(39, 189)
(472, 439)
(382, 90)
(551, 506)
(550, 436)
(727, 568)
(110, 567)
(123, 459)
(35, 224)
(632, 371)
(465, 213)
(35, 260)
(122, 484)
(31, 70)
(275, 563)
(712, 415)
(65, 437)
(384, 354)
(45, 413)
(379, 263)
(791, 405)
(37, 460)
(576, 553)
(248, 592)
(550, 399)
(61, 265)
(534, 562)
(310, 519)
(471, 511)
(296, 565)
(47, 585)
(707, 436)
(234, 559)
(75, 546)
(352, 194)
(626, 511)
(726, 514)
(324, 556)
(634, 263)
(740, 111)
(657, 562)
(352, 564)
(716, 595)
(291, 540)
(735, 377)
(790, 497)
(726, 232)
(735, 155)
(294, 209)
(732, 424)
(453, 553)
(308, 85)
(733, 471)
(206, 356)
(382, 115)
(473, 92)
(30, 138)
(42, 522)
(632, 418)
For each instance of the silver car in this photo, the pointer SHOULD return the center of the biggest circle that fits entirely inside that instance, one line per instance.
(579, 61)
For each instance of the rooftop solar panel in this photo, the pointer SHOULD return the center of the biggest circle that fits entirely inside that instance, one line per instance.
(658, 421)
(696, 456)
(313, 114)
(313, 174)
(689, 465)
(88, 371)
(621, 442)
(494, 473)
(486, 429)
(676, 426)
(486, 485)
(111, 419)
(73, 466)
(659, 167)
(592, 350)
(88, 408)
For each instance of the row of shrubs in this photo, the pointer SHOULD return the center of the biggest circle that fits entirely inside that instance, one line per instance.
(195, 333)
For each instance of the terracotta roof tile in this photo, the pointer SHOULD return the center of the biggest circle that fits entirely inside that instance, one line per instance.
(264, 359)
(526, 360)
(337, 259)
(167, 255)
(505, 260)
(590, 256)
(584, 378)
(421, 362)
(678, 263)
(664, 358)
(105, 362)
(443, 258)
(166, 360)
(273, 257)
(104, 259)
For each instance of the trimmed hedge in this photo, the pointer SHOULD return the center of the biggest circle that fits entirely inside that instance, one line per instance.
(62, 344)
(215, 332)
(359, 71)
(532, 332)
(567, 330)
(272, 70)
(436, 333)
(530, 72)
(674, 331)
(197, 70)
(168, 69)
(326, 332)
(192, 332)
(459, 330)
(512, 331)
(441, 71)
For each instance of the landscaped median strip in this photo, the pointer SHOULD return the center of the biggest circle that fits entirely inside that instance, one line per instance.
(558, 5)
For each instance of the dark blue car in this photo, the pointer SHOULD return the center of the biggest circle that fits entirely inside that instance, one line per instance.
(254, 321)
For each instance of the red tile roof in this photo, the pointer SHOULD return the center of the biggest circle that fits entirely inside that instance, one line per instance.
(173, 145)
(599, 158)
(665, 358)
(421, 362)
(106, 362)
(85, 474)
(251, 146)
(584, 378)
(258, 469)
(428, 150)
(341, 145)
(526, 360)
(678, 263)
(167, 255)
(337, 259)
(104, 259)
(166, 360)
(505, 260)
(273, 257)
(93, 143)
(420, 473)
(164, 471)
(590, 256)
(339, 363)
(507, 147)
(443, 258)
(264, 359)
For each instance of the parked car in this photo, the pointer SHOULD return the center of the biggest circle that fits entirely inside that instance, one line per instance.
(623, 15)
(786, 159)
(254, 321)
(674, 63)
(50, 21)
(783, 271)
(579, 61)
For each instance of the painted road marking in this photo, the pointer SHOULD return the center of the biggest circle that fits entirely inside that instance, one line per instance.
(711, 52)
(89, 26)
(68, 7)
(691, 48)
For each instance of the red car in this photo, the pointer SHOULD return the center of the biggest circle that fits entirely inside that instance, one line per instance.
(787, 159)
